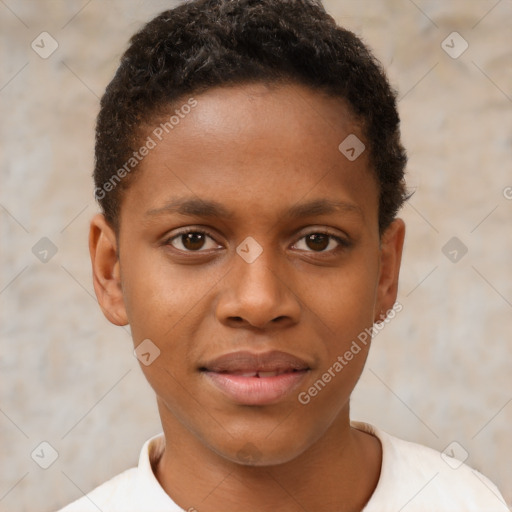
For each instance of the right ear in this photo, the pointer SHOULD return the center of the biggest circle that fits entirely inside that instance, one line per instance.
(105, 270)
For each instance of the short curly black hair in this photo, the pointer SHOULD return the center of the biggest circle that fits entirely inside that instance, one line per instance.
(203, 44)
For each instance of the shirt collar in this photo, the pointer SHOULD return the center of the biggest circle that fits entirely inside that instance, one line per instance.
(155, 498)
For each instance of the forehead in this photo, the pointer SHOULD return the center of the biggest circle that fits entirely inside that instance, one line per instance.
(254, 146)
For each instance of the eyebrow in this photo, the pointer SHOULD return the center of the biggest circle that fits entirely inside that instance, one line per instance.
(209, 208)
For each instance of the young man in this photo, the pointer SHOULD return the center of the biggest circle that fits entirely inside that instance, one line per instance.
(249, 169)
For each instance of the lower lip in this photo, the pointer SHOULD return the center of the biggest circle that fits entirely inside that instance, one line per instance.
(256, 390)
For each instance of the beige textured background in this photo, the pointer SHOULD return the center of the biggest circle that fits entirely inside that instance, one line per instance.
(439, 372)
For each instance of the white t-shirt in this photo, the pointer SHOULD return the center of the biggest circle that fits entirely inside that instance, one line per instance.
(413, 478)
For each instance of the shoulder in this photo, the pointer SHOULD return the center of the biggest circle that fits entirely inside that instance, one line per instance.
(134, 490)
(111, 495)
(417, 478)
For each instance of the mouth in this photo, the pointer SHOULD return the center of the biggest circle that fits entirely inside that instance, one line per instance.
(261, 374)
(256, 379)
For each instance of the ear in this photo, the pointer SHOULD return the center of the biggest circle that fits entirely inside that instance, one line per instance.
(392, 243)
(105, 270)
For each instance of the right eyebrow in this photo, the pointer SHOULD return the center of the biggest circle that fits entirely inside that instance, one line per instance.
(193, 207)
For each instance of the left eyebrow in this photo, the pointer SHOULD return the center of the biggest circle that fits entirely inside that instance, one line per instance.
(206, 208)
(319, 207)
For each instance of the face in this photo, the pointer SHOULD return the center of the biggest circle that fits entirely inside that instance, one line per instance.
(250, 257)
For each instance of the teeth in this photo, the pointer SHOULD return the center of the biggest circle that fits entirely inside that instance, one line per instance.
(262, 375)
(258, 374)
(267, 374)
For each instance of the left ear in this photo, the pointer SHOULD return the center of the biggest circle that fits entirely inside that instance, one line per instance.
(392, 243)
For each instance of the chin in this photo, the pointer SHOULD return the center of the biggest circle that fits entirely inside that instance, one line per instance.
(262, 451)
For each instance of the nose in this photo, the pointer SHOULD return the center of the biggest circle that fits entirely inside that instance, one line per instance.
(258, 295)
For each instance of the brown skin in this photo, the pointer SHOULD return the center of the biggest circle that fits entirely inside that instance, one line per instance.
(258, 150)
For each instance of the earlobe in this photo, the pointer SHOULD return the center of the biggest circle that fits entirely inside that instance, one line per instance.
(105, 270)
(390, 260)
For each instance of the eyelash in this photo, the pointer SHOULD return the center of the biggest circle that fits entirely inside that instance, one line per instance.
(343, 244)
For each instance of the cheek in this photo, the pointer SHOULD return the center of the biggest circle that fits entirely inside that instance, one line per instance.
(346, 307)
(159, 296)
(344, 298)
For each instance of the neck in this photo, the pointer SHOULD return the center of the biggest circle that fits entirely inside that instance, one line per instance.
(338, 472)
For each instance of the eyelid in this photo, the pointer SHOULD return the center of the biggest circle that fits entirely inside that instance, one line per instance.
(324, 230)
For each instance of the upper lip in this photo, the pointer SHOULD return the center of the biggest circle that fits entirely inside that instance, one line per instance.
(245, 361)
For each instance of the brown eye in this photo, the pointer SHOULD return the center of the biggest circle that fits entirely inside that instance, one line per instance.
(317, 241)
(192, 241)
(321, 242)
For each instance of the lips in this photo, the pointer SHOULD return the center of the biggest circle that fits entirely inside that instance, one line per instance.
(251, 363)
(256, 379)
